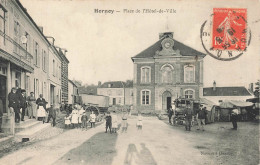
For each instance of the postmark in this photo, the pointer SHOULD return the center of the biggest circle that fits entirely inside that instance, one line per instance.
(225, 35)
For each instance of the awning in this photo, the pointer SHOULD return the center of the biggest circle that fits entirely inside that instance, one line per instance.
(207, 103)
(231, 103)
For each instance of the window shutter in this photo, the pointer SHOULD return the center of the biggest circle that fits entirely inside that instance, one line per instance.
(39, 56)
(34, 52)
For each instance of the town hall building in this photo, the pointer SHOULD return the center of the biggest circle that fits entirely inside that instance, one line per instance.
(165, 71)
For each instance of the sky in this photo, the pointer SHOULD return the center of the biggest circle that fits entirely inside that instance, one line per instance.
(100, 45)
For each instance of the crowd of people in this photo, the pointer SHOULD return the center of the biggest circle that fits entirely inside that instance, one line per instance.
(78, 118)
(22, 106)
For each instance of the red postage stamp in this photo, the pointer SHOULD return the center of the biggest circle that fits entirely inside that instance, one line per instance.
(229, 29)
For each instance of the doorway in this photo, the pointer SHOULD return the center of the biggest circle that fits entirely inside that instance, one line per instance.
(114, 101)
(3, 92)
(166, 100)
(52, 94)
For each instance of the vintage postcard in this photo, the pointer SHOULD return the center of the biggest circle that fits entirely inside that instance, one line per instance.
(129, 82)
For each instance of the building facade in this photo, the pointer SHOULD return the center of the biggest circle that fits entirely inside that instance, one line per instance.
(73, 92)
(119, 93)
(165, 71)
(220, 94)
(26, 56)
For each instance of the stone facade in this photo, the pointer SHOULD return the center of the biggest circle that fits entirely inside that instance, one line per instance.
(165, 71)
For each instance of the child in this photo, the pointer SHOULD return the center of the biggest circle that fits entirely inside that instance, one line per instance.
(84, 120)
(67, 120)
(139, 123)
(92, 119)
(108, 122)
(75, 117)
(114, 122)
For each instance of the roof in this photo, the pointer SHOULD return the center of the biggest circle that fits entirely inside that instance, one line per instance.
(117, 84)
(89, 90)
(226, 91)
(232, 103)
(184, 50)
(72, 83)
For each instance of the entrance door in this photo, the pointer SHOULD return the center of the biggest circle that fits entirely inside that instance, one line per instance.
(166, 100)
(114, 101)
(52, 94)
(169, 101)
(3, 91)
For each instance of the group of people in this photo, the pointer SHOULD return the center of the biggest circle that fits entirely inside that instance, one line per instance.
(189, 117)
(78, 118)
(113, 125)
(200, 116)
(21, 106)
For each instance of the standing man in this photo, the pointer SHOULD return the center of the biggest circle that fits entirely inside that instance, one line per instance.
(108, 122)
(201, 117)
(13, 100)
(188, 117)
(22, 99)
(233, 117)
(170, 113)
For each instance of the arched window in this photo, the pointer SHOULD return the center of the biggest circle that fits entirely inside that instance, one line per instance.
(189, 94)
(189, 74)
(145, 74)
(145, 97)
(167, 73)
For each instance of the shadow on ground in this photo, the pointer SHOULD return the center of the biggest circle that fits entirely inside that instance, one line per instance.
(98, 150)
(144, 157)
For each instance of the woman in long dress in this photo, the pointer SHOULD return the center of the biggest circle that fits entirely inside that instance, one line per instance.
(31, 106)
(41, 113)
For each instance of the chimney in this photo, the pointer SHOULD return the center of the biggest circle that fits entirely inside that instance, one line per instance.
(99, 84)
(251, 87)
(166, 34)
(214, 85)
(41, 28)
(52, 39)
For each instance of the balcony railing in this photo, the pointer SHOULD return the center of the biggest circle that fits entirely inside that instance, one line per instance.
(13, 48)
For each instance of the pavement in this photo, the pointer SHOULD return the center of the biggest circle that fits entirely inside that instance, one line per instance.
(156, 143)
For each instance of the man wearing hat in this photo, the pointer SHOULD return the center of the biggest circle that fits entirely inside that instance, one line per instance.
(201, 117)
(13, 104)
(22, 100)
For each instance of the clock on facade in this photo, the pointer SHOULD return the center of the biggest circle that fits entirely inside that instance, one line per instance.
(167, 45)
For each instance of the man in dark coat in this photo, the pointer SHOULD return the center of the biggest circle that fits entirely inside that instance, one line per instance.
(170, 113)
(233, 117)
(52, 114)
(13, 104)
(108, 122)
(188, 117)
(201, 117)
(22, 100)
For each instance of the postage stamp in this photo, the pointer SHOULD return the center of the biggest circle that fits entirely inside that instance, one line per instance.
(229, 29)
(226, 35)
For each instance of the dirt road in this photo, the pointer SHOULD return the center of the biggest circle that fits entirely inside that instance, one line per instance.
(157, 143)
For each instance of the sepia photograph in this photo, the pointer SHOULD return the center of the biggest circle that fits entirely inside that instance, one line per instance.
(128, 82)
